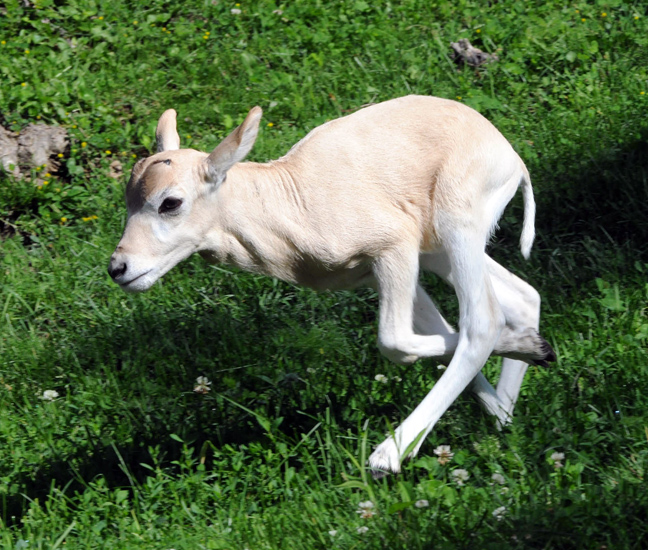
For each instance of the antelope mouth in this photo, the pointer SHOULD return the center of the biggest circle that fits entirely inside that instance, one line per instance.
(128, 283)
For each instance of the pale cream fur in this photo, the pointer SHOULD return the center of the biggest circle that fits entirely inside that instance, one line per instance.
(368, 199)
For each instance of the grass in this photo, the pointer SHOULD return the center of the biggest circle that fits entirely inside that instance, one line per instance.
(128, 456)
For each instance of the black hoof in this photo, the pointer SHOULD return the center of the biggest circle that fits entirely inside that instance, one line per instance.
(549, 355)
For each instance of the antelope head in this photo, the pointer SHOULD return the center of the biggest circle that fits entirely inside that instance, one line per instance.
(168, 199)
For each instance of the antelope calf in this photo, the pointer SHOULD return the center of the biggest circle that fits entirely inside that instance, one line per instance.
(415, 183)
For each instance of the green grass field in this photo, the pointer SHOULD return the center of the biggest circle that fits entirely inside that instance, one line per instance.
(127, 455)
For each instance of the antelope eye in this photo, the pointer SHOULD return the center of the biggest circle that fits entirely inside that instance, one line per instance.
(169, 205)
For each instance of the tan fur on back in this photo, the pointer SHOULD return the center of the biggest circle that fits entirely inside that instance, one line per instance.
(360, 184)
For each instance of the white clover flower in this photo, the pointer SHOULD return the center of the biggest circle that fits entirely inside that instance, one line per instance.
(235, 11)
(277, 12)
(311, 370)
(366, 509)
(202, 385)
(421, 503)
(460, 476)
(558, 458)
(49, 395)
(499, 513)
(444, 454)
(333, 532)
(397, 379)
(362, 530)
(441, 367)
(498, 478)
(381, 378)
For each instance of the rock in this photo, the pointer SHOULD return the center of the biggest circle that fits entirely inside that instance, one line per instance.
(9, 151)
(465, 52)
(35, 145)
(39, 144)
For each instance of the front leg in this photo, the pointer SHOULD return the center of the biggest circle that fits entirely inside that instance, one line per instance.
(404, 306)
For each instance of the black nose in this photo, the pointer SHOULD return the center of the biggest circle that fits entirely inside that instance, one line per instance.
(116, 270)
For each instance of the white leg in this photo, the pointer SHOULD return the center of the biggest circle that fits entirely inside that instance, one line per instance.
(428, 320)
(480, 321)
(399, 343)
(520, 303)
(396, 281)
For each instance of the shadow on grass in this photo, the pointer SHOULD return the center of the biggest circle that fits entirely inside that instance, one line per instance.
(152, 358)
(591, 216)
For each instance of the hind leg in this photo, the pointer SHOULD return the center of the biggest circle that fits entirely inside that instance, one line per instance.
(520, 303)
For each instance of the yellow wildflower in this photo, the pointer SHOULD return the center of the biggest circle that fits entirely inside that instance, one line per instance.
(100, 18)
(134, 22)
(23, 84)
(604, 14)
(27, 51)
(108, 152)
(270, 124)
(64, 219)
(83, 144)
(46, 182)
(60, 155)
(583, 20)
(3, 42)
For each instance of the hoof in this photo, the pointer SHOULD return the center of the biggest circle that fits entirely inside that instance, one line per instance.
(549, 355)
(384, 460)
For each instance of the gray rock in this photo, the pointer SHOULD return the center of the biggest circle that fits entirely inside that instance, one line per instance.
(464, 52)
(35, 145)
(39, 144)
(9, 151)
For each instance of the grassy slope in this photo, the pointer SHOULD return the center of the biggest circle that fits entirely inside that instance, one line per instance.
(128, 456)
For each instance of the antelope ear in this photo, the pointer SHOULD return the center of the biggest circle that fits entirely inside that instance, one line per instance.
(234, 148)
(166, 134)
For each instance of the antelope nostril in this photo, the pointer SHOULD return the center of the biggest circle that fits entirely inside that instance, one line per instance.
(116, 270)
